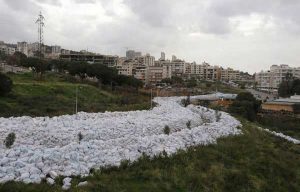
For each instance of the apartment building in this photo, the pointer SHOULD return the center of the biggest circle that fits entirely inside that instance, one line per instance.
(230, 74)
(7, 49)
(178, 66)
(108, 60)
(139, 72)
(155, 74)
(22, 47)
(148, 60)
(212, 73)
(150, 71)
(270, 80)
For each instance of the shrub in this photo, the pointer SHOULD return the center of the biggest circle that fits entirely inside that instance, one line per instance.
(9, 140)
(167, 130)
(186, 102)
(80, 137)
(245, 105)
(204, 119)
(5, 84)
(218, 115)
(188, 124)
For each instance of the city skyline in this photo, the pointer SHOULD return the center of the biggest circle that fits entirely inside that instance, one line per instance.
(248, 37)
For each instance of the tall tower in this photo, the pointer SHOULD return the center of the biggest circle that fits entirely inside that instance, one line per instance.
(41, 24)
(162, 56)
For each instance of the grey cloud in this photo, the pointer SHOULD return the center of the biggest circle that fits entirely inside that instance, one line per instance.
(213, 18)
(50, 2)
(23, 6)
(163, 25)
(155, 13)
(84, 1)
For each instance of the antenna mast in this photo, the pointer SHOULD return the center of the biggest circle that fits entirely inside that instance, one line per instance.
(41, 24)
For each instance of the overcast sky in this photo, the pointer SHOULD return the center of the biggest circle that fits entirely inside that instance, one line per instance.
(245, 35)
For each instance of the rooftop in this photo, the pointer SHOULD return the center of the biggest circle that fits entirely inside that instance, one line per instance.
(292, 100)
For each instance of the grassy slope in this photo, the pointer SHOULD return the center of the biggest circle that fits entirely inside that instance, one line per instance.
(254, 161)
(219, 87)
(287, 125)
(56, 96)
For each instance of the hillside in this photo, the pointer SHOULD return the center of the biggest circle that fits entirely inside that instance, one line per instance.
(252, 161)
(56, 93)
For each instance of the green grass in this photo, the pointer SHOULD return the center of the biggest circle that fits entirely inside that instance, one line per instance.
(55, 95)
(218, 86)
(281, 123)
(253, 161)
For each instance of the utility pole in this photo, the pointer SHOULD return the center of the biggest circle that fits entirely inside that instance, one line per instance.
(151, 98)
(41, 24)
(76, 102)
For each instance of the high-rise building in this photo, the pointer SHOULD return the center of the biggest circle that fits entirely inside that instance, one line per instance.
(137, 54)
(174, 58)
(149, 60)
(130, 54)
(162, 56)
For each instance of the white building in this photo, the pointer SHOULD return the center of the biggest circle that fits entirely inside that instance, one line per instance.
(140, 72)
(33, 48)
(148, 60)
(178, 67)
(7, 49)
(270, 80)
(174, 58)
(125, 69)
(22, 47)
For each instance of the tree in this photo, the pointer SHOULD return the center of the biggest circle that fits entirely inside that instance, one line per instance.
(17, 58)
(192, 82)
(103, 73)
(78, 68)
(174, 80)
(289, 86)
(5, 84)
(3, 56)
(127, 80)
(38, 66)
(296, 87)
(245, 105)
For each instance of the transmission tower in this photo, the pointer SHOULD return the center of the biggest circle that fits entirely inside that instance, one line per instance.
(41, 24)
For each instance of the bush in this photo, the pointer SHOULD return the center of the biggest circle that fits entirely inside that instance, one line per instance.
(186, 102)
(5, 84)
(188, 124)
(9, 140)
(218, 115)
(245, 105)
(80, 137)
(167, 130)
